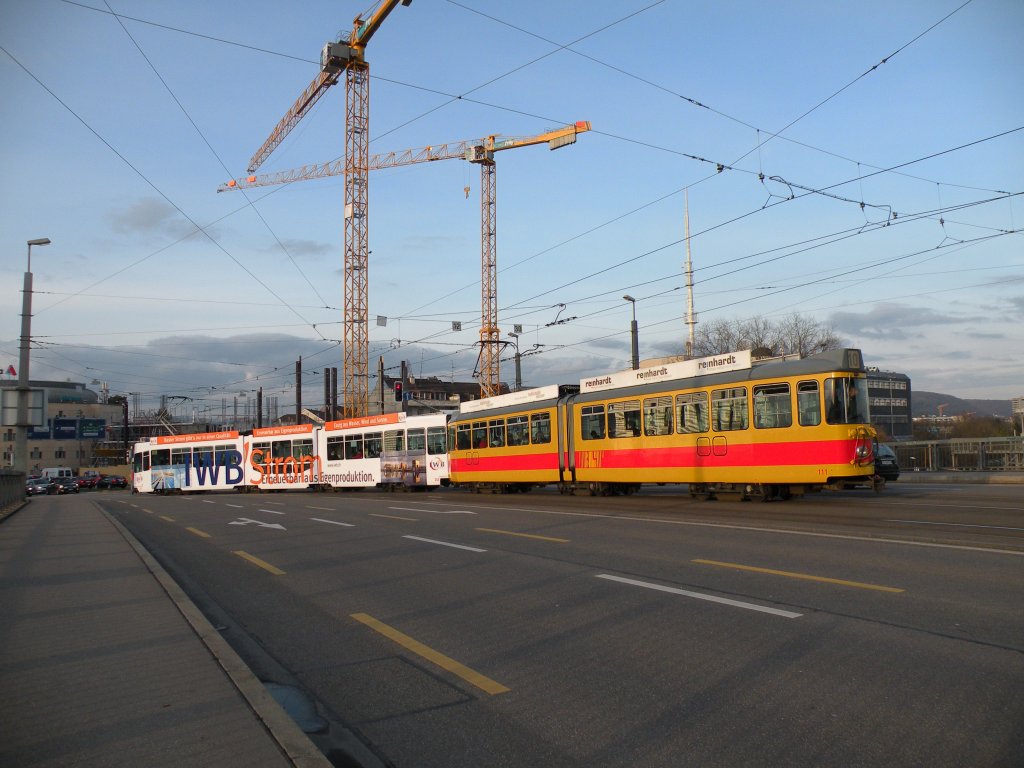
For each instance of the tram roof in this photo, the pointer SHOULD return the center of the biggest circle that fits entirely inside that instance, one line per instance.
(846, 360)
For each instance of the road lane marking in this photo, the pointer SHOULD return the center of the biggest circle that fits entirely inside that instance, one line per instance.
(444, 543)
(197, 532)
(395, 517)
(471, 676)
(260, 523)
(256, 561)
(524, 535)
(168, 519)
(208, 501)
(702, 596)
(270, 511)
(436, 511)
(958, 525)
(322, 509)
(760, 529)
(332, 522)
(804, 576)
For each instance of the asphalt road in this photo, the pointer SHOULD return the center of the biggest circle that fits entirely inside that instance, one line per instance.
(448, 629)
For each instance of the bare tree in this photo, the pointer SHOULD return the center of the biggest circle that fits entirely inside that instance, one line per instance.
(804, 335)
(795, 334)
(716, 338)
(761, 337)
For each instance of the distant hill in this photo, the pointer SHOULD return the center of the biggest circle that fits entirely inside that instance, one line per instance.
(926, 404)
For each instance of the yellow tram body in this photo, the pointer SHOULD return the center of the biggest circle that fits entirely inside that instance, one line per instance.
(768, 428)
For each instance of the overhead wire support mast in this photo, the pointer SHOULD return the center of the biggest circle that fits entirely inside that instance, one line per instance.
(346, 56)
(479, 151)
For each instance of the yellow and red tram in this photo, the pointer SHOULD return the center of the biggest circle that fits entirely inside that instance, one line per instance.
(763, 429)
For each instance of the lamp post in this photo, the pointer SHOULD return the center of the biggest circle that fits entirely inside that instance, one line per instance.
(21, 439)
(633, 333)
(519, 373)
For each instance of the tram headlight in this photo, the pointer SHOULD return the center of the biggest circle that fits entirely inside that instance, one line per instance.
(862, 454)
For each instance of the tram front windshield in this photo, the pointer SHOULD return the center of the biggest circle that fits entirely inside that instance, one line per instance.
(846, 401)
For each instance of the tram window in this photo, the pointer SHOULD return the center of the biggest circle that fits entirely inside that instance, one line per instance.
(692, 413)
(260, 453)
(394, 440)
(417, 440)
(181, 455)
(518, 430)
(140, 462)
(336, 448)
(808, 404)
(658, 416)
(479, 434)
(201, 457)
(224, 455)
(773, 408)
(281, 449)
(437, 441)
(729, 409)
(540, 428)
(496, 433)
(847, 401)
(624, 419)
(592, 422)
(302, 448)
(372, 445)
(463, 437)
(353, 446)
(161, 458)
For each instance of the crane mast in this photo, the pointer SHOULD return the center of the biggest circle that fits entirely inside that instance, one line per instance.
(477, 151)
(348, 56)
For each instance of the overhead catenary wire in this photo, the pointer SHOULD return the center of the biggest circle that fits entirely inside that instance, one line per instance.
(320, 324)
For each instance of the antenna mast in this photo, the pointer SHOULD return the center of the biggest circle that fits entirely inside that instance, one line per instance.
(690, 321)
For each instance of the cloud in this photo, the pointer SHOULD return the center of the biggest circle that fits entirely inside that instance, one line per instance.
(151, 216)
(304, 248)
(890, 321)
(1016, 308)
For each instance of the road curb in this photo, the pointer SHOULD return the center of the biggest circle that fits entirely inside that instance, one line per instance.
(289, 737)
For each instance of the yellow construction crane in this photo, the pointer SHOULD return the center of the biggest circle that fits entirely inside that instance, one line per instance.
(346, 55)
(480, 151)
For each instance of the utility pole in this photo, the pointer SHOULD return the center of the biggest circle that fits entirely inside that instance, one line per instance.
(298, 390)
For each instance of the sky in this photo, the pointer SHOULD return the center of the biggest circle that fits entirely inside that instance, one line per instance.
(861, 164)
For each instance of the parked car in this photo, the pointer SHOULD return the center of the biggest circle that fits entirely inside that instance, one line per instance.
(87, 481)
(886, 465)
(36, 486)
(62, 485)
(112, 481)
(89, 478)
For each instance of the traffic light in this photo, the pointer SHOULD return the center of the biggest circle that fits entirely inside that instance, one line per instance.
(398, 391)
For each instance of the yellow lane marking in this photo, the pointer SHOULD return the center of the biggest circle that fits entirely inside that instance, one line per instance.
(168, 519)
(524, 535)
(396, 517)
(197, 532)
(256, 561)
(805, 576)
(470, 676)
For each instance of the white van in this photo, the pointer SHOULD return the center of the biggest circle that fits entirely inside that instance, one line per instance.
(54, 472)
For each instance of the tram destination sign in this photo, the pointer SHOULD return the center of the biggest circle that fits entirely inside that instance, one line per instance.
(683, 369)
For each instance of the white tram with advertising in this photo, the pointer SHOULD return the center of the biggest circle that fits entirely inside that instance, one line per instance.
(391, 451)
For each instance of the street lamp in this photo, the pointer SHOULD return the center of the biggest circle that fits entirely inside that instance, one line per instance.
(21, 439)
(519, 372)
(633, 334)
